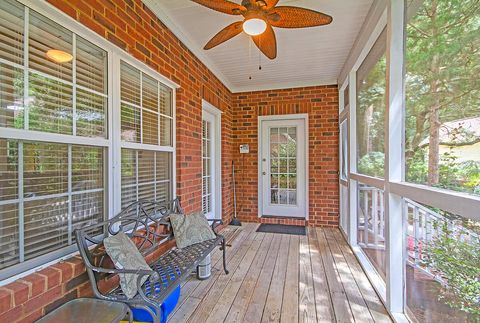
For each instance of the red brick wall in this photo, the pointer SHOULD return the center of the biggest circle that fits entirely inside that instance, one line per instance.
(321, 104)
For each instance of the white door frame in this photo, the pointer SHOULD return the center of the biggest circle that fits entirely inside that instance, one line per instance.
(301, 116)
(217, 157)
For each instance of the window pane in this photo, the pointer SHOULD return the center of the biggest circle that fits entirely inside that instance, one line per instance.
(87, 168)
(150, 178)
(130, 84)
(150, 128)
(50, 106)
(149, 93)
(11, 97)
(87, 209)
(371, 78)
(371, 226)
(91, 110)
(46, 226)
(45, 169)
(129, 167)
(11, 31)
(165, 131)
(443, 265)
(8, 170)
(165, 100)
(45, 35)
(130, 123)
(91, 66)
(146, 166)
(163, 166)
(9, 252)
(443, 95)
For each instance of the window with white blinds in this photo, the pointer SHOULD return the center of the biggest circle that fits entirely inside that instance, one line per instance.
(146, 134)
(59, 145)
(48, 187)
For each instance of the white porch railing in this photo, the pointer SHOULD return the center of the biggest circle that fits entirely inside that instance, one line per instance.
(371, 218)
(423, 224)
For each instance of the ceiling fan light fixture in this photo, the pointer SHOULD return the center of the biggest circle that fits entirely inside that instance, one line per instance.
(59, 56)
(254, 26)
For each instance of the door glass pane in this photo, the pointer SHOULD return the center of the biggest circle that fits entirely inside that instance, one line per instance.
(343, 150)
(283, 165)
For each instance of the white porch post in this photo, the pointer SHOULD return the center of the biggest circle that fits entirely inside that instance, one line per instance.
(352, 158)
(394, 157)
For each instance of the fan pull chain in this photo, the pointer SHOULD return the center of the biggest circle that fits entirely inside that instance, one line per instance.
(250, 55)
(259, 58)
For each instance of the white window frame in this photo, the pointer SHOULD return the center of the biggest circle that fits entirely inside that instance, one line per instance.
(113, 144)
(217, 175)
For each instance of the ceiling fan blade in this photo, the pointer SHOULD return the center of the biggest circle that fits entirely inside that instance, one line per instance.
(225, 34)
(294, 17)
(224, 6)
(267, 42)
(271, 3)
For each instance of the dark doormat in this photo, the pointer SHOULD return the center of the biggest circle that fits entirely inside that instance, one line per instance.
(282, 228)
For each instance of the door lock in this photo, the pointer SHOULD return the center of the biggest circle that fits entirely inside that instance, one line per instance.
(264, 173)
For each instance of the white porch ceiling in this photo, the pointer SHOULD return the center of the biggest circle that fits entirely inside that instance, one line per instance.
(306, 57)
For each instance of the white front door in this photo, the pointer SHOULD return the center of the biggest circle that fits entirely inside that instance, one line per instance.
(282, 173)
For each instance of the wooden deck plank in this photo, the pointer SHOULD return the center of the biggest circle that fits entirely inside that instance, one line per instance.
(198, 288)
(254, 256)
(240, 303)
(255, 308)
(374, 304)
(211, 298)
(306, 302)
(357, 303)
(273, 305)
(187, 287)
(275, 277)
(205, 285)
(290, 291)
(323, 300)
(341, 307)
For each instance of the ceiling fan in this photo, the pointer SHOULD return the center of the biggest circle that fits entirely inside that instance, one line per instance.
(259, 18)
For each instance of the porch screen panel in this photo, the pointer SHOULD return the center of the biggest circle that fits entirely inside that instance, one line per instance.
(371, 85)
(51, 186)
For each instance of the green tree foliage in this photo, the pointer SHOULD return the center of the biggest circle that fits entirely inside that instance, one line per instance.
(442, 84)
(457, 261)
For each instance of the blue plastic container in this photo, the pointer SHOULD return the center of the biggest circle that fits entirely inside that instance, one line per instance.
(168, 306)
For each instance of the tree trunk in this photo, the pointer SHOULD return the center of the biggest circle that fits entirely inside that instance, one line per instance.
(434, 118)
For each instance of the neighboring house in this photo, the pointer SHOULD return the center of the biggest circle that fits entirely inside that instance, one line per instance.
(460, 138)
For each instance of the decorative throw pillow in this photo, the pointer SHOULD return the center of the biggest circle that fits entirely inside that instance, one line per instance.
(190, 229)
(125, 255)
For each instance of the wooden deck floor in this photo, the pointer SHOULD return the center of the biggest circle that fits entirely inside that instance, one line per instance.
(287, 278)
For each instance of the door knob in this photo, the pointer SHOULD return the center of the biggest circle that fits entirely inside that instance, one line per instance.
(264, 173)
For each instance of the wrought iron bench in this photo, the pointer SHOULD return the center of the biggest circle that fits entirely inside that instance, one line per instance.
(147, 224)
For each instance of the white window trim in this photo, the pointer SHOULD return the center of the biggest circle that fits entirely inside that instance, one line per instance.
(208, 107)
(112, 159)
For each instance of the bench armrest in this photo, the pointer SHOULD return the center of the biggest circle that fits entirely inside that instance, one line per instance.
(216, 223)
